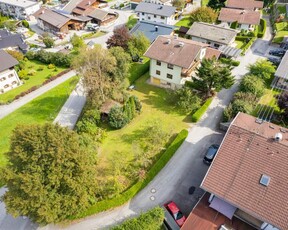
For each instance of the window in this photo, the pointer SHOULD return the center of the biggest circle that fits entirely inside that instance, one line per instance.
(143, 13)
(6, 86)
(162, 17)
(158, 63)
(216, 45)
(149, 17)
(170, 66)
(10, 75)
(170, 76)
(3, 79)
(14, 82)
(158, 72)
(155, 16)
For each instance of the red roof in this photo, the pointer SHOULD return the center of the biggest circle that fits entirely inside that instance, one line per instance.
(248, 17)
(248, 151)
(244, 4)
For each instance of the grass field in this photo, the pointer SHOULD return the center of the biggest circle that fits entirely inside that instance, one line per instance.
(240, 44)
(185, 21)
(132, 20)
(154, 108)
(40, 110)
(268, 99)
(282, 31)
(36, 80)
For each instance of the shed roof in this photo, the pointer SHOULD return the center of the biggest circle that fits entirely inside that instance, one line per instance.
(248, 151)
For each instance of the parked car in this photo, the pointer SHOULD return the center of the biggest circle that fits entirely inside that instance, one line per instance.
(175, 212)
(278, 52)
(210, 154)
(275, 61)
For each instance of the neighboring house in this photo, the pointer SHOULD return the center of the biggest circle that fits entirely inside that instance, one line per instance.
(246, 19)
(81, 7)
(174, 60)
(19, 9)
(244, 4)
(281, 75)
(102, 17)
(214, 35)
(156, 13)
(248, 179)
(71, 5)
(57, 22)
(152, 29)
(12, 41)
(160, 2)
(8, 76)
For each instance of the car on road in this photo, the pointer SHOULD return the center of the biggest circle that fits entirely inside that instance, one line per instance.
(177, 215)
(278, 52)
(210, 154)
(275, 61)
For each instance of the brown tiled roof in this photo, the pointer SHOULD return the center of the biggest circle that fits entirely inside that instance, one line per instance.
(172, 52)
(248, 151)
(210, 53)
(85, 4)
(241, 16)
(52, 17)
(244, 4)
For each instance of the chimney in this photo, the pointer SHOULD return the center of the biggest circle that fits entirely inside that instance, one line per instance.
(156, 28)
(168, 41)
(278, 137)
(43, 11)
(181, 44)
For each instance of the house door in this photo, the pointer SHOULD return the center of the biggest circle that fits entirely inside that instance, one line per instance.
(156, 81)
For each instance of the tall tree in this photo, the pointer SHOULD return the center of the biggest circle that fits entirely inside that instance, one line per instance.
(263, 69)
(204, 14)
(179, 4)
(97, 66)
(282, 101)
(212, 76)
(50, 175)
(77, 41)
(137, 46)
(120, 37)
(216, 4)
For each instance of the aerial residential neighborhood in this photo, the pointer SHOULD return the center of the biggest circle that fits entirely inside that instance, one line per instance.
(143, 114)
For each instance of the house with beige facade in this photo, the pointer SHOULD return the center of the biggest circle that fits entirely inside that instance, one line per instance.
(173, 60)
(247, 180)
(8, 77)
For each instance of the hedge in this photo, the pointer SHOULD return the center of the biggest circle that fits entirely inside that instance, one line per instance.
(138, 69)
(132, 191)
(199, 113)
(247, 46)
(264, 26)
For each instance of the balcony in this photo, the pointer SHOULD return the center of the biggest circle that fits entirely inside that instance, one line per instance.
(188, 72)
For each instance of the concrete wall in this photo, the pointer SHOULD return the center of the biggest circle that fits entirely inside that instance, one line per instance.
(8, 80)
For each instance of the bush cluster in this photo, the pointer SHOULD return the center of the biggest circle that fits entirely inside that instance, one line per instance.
(263, 26)
(199, 113)
(57, 59)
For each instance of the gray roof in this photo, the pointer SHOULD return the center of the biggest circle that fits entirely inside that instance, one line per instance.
(53, 18)
(282, 70)
(212, 32)
(98, 14)
(71, 5)
(230, 51)
(7, 39)
(7, 61)
(149, 29)
(152, 8)
(20, 3)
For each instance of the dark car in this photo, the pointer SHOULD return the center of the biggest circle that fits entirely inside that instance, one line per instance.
(278, 53)
(275, 61)
(211, 153)
(175, 212)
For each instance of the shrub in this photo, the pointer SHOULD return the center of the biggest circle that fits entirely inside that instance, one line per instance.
(48, 42)
(252, 84)
(22, 73)
(263, 25)
(117, 117)
(41, 68)
(25, 23)
(229, 61)
(234, 25)
(132, 191)
(16, 54)
(199, 113)
(51, 66)
(32, 72)
(247, 46)
(58, 59)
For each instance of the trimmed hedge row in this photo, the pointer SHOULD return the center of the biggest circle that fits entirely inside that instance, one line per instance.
(132, 191)
(138, 71)
(263, 25)
(199, 113)
(247, 46)
(38, 86)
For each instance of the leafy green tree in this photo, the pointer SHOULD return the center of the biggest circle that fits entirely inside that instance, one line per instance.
(16, 54)
(204, 14)
(252, 84)
(212, 75)
(77, 41)
(262, 68)
(50, 175)
(118, 118)
(137, 46)
(151, 220)
(48, 42)
(216, 4)
(179, 4)
(97, 66)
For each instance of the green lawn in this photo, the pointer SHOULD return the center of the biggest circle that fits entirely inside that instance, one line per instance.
(240, 44)
(36, 80)
(154, 108)
(93, 35)
(281, 9)
(268, 99)
(40, 110)
(185, 21)
(282, 31)
(138, 69)
(204, 2)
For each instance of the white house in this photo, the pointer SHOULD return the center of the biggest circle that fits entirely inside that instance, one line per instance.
(8, 76)
(174, 60)
(246, 19)
(155, 13)
(19, 9)
(160, 2)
